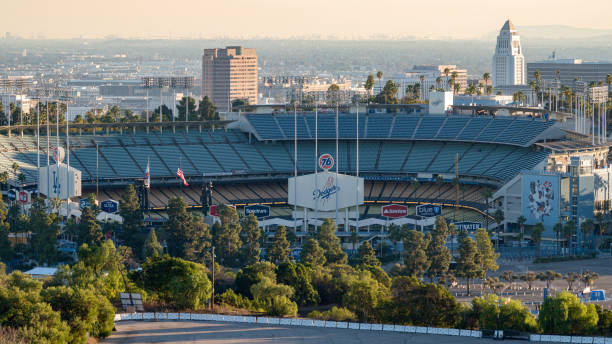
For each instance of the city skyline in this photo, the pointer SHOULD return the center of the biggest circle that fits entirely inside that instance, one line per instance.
(282, 19)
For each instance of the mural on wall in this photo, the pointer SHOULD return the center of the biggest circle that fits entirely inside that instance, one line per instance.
(541, 199)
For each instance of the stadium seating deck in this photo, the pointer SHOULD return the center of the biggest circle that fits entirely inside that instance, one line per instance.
(501, 130)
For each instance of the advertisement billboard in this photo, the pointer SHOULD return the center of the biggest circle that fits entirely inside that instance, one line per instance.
(57, 181)
(541, 198)
(260, 211)
(325, 190)
(428, 210)
(110, 206)
(469, 226)
(394, 211)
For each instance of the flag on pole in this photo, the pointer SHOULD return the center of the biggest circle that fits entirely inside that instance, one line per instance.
(148, 176)
(179, 173)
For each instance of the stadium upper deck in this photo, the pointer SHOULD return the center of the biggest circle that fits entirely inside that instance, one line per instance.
(490, 150)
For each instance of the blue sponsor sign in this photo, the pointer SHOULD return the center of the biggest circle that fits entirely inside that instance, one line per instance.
(428, 210)
(11, 195)
(109, 206)
(260, 211)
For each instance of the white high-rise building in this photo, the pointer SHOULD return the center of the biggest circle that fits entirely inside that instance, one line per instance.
(508, 61)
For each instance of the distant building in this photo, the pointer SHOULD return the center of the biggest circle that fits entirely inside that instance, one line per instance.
(229, 74)
(569, 70)
(508, 61)
(431, 73)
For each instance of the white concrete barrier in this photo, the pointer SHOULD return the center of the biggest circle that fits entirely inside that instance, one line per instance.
(587, 340)
(376, 327)
(399, 328)
(354, 326)
(148, 316)
(465, 333)
(454, 332)
(534, 338)
(545, 338)
(117, 317)
(331, 324)
(411, 329)
(296, 322)
(284, 321)
(198, 317)
(318, 323)
(420, 329)
(554, 338)
(608, 340)
(208, 317)
(306, 322)
(576, 339)
(443, 331)
(341, 324)
(262, 320)
(599, 340)
(476, 334)
(185, 316)
(388, 327)
(365, 326)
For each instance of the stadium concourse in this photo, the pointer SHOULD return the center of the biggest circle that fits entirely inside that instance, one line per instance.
(250, 159)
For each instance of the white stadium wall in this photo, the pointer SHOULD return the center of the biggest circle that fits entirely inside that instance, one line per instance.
(55, 182)
(331, 189)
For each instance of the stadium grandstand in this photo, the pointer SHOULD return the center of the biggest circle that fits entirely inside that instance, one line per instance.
(249, 159)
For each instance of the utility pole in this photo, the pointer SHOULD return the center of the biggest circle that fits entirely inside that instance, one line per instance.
(212, 297)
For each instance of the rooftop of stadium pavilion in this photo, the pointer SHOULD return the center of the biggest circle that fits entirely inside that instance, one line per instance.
(517, 131)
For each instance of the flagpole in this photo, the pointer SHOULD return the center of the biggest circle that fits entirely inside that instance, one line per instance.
(48, 162)
(357, 174)
(295, 154)
(38, 146)
(337, 163)
(316, 164)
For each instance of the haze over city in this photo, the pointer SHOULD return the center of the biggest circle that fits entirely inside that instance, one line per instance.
(346, 19)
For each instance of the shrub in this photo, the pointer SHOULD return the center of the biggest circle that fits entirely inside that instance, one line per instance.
(564, 314)
(230, 298)
(511, 315)
(336, 314)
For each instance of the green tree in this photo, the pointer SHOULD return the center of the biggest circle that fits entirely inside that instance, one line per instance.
(369, 84)
(395, 234)
(198, 240)
(227, 236)
(486, 253)
(364, 296)
(251, 237)
(333, 94)
(183, 284)
(548, 276)
(415, 256)
(529, 277)
(366, 255)
(388, 95)
(437, 252)
(468, 262)
(152, 247)
(536, 236)
(176, 227)
(129, 209)
(208, 112)
(330, 243)
(312, 254)
(44, 233)
(6, 250)
(89, 228)
(280, 248)
(298, 277)
(77, 307)
(181, 109)
(507, 315)
(379, 76)
(565, 314)
(275, 297)
(252, 274)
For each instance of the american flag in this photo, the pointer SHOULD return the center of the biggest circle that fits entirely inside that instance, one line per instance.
(179, 173)
(148, 176)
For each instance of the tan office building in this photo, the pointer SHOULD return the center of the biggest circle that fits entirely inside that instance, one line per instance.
(229, 74)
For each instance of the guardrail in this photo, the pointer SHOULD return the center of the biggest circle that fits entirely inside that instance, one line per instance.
(297, 322)
(348, 325)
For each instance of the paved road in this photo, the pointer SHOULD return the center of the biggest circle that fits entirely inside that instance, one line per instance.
(230, 333)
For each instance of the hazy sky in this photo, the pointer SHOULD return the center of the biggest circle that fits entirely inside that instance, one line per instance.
(287, 18)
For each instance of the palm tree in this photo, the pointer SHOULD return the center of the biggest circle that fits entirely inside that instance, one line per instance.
(486, 76)
(557, 228)
(521, 223)
(532, 85)
(536, 236)
(568, 230)
(480, 88)
(457, 88)
(586, 228)
(489, 90)
(439, 82)
(379, 75)
(354, 238)
(446, 72)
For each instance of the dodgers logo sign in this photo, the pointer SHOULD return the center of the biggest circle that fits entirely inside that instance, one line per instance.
(326, 161)
(329, 189)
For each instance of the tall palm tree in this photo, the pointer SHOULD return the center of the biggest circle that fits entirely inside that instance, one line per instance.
(486, 76)
(481, 88)
(532, 85)
(521, 223)
(557, 228)
(379, 75)
(586, 228)
(439, 83)
(446, 72)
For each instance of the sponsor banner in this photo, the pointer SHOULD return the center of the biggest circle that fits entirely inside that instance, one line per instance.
(394, 211)
(260, 211)
(541, 199)
(24, 197)
(469, 226)
(110, 206)
(84, 203)
(428, 210)
(326, 161)
(11, 195)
